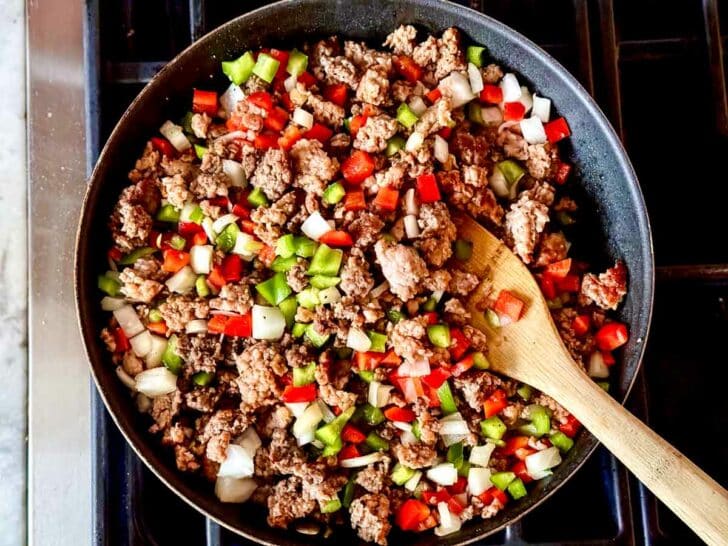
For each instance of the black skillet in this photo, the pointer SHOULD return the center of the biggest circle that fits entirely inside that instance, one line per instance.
(604, 181)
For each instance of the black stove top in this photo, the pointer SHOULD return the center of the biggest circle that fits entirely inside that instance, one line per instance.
(656, 68)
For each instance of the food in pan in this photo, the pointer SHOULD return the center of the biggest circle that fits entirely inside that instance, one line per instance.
(286, 288)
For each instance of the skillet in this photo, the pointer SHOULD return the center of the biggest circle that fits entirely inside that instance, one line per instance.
(605, 182)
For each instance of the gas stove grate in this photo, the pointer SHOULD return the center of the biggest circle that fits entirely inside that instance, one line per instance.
(650, 64)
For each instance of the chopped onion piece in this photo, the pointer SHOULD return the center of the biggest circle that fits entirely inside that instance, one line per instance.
(235, 172)
(414, 368)
(305, 426)
(478, 480)
(414, 142)
(491, 115)
(543, 460)
(541, 108)
(401, 425)
(234, 489)
(442, 149)
(533, 131)
(364, 460)
(128, 320)
(498, 183)
(231, 97)
(540, 475)
(475, 77)
(597, 368)
(249, 441)
(112, 304)
(418, 106)
(141, 343)
(197, 326)
(410, 199)
(315, 226)
(290, 83)
(183, 281)
(457, 87)
(451, 439)
(526, 100)
(449, 522)
(443, 474)
(411, 484)
(175, 135)
(201, 259)
(222, 222)
(480, 455)
(408, 438)
(379, 290)
(125, 378)
(358, 340)
(373, 393)
(297, 408)
(268, 322)
(511, 88)
(450, 428)
(411, 227)
(303, 118)
(246, 246)
(156, 382)
(329, 295)
(326, 411)
(207, 228)
(154, 357)
(237, 464)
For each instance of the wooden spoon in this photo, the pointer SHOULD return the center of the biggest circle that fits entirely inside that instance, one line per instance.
(531, 350)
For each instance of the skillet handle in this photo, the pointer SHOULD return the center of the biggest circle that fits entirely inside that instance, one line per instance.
(689, 492)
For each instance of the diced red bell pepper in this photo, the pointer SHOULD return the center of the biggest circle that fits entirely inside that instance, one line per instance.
(240, 211)
(174, 260)
(163, 146)
(434, 95)
(356, 123)
(411, 514)
(558, 270)
(513, 111)
(512, 444)
(216, 325)
(292, 394)
(386, 198)
(232, 268)
(581, 324)
(486, 497)
(357, 167)
(336, 238)
(216, 278)
(354, 200)
(204, 102)
(433, 498)
(508, 307)
(122, 342)
(519, 469)
(430, 318)
(307, 79)
(430, 394)
(352, 434)
(411, 387)
(570, 283)
(556, 130)
(459, 343)
(287, 102)
(547, 287)
(158, 327)
(523, 452)
(495, 403)
(500, 496)
(454, 506)
(491, 94)
(458, 487)
(349, 452)
(248, 226)
(276, 119)
(264, 141)
(570, 427)
(609, 359)
(282, 58)
(241, 326)
(367, 360)
(563, 170)
(391, 359)
(319, 132)
(427, 188)
(445, 132)
(463, 366)
(408, 68)
(188, 229)
(261, 99)
(611, 335)
(114, 254)
(336, 93)
(429, 522)
(437, 377)
(396, 413)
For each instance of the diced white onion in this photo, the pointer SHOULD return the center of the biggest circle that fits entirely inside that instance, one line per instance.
(207, 228)
(414, 368)
(511, 88)
(235, 490)
(526, 100)
(491, 115)
(378, 394)
(156, 382)
(401, 425)
(457, 87)
(533, 131)
(268, 322)
(478, 480)
(443, 474)
(183, 281)
(543, 460)
(326, 411)
(221, 223)
(305, 426)
(410, 198)
(237, 464)
(297, 408)
(329, 295)
(290, 83)
(197, 326)
(235, 172)
(125, 378)
(372, 394)
(450, 428)
(128, 320)
(315, 226)
(418, 106)
(154, 357)
(231, 97)
(185, 214)
(442, 149)
(452, 417)
(449, 522)
(541, 108)
(358, 340)
(597, 368)
(437, 295)
(303, 118)
(540, 475)
(411, 484)
(175, 135)
(246, 246)
(480, 455)
(498, 183)
(476, 78)
(411, 227)
(414, 141)
(201, 259)
(379, 290)
(408, 438)
(364, 460)
(112, 304)
(141, 343)
(451, 439)
(249, 441)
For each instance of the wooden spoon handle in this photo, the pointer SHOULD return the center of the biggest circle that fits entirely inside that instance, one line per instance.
(688, 491)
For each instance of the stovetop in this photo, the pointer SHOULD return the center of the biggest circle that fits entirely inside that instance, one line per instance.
(656, 68)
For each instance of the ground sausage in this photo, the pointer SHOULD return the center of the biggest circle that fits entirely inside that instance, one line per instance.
(608, 288)
(402, 267)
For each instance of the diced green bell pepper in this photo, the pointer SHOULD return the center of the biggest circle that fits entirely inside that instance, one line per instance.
(137, 253)
(155, 316)
(464, 468)
(517, 489)
(343, 353)
(430, 305)
(333, 449)
(439, 335)
(376, 442)
(401, 474)
(463, 250)
(331, 432)
(475, 54)
(334, 193)
(168, 214)
(275, 289)
(406, 116)
(511, 170)
(225, 241)
(308, 298)
(186, 123)
(366, 375)
(257, 198)
(288, 307)
(395, 144)
(372, 415)
(200, 151)
(502, 479)
(239, 70)
(316, 339)
(525, 392)
(192, 214)
(203, 290)
(333, 505)
(379, 342)
(564, 218)
(202, 379)
(480, 361)
(475, 113)
(304, 376)
(447, 401)
(455, 454)
(305, 247)
(109, 285)
(604, 385)
(286, 246)
(177, 242)
(417, 429)
(394, 315)
(348, 493)
(321, 281)
(171, 360)
(326, 261)
(540, 419)
(562, 441)
(493, 427)
(492, 318)
(299, 329)
(283, 265)
(266, 67)
(297, 63)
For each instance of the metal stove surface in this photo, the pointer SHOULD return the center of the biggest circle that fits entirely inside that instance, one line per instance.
(656, 67)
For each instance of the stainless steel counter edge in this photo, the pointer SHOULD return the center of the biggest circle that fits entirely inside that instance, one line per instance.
(59, 466)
